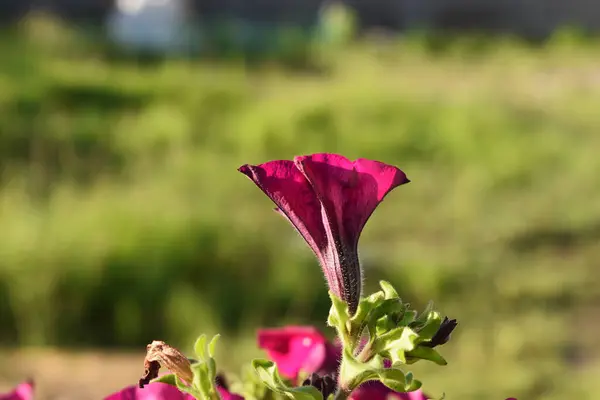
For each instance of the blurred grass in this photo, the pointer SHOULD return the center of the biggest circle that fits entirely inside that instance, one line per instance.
(124, 219)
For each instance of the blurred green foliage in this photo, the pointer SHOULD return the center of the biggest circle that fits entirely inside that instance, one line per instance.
(123, 218)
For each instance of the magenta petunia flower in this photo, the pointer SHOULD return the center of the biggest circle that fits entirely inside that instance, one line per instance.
(163, 391)
(23, 391)
(329, 199)
(299, 348)
(378, 391)
(152, 391)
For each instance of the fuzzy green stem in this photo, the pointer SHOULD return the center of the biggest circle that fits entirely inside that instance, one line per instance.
(341, 395)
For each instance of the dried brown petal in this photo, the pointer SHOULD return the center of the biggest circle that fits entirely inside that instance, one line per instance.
(159, 354)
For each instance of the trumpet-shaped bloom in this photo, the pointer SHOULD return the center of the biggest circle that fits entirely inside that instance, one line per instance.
(23, 391)
(328, 199)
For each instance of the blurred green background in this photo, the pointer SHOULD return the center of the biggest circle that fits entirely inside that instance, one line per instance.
(123, 218)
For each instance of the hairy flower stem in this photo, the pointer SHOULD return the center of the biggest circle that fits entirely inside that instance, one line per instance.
(341, 395)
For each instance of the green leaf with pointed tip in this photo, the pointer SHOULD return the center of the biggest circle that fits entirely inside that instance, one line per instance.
(338, 314)
(212, 345)
(189, 390)
(360, 319)
(389, 308)
(414, 385)
(268, 373)
(200, 347)
(169, 379)
(422, 319)
(402, 338)
(202, 381)
(383, 325)
(388, 290)
(394, 379)
(365, 306)
(408, 318)
(353, 372)
(250, 386)
(425, 353)
(339, 319)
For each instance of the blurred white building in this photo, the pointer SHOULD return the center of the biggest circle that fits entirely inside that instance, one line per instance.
(153, 25)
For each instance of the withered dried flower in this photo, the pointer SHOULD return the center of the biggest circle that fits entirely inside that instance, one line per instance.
(159, 354)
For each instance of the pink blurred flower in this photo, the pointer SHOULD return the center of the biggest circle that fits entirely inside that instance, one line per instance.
(299, 348)
(329, 199)
(227, 395)
(152, 391)
(23, 391)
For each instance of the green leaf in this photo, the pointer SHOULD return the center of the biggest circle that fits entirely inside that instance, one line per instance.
(422, 319)
(425, 353)
(189, 390)
(205, 369)
(388, 290)
(389, 308)
(212, 345)
(169, 379)
(339, 319)
(354, 373)
(200, 347)
(203, 381)
(338, 315)
(402, 338)
(250, 386)
(408, 318)
(431, 326)
(267, 371)
(394, 379)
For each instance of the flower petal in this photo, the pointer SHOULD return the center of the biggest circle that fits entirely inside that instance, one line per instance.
(378, 391)
(152, 391)
(349, 190)
(295, 199)
(23, 391)
(298, 348)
